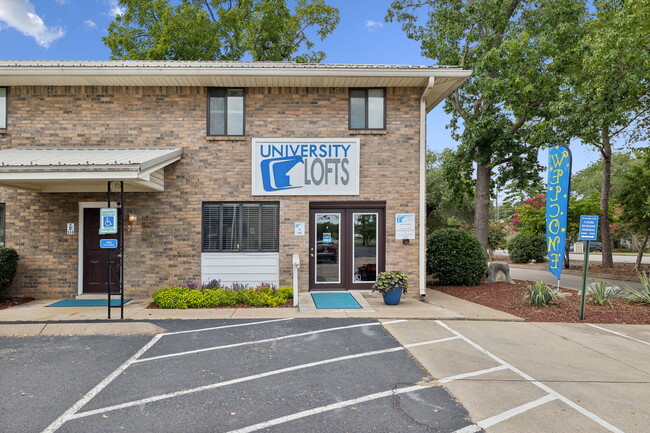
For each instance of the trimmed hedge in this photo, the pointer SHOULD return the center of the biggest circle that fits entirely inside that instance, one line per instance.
(456, 258)
(185, 297)
(525, 247)
(8, 267)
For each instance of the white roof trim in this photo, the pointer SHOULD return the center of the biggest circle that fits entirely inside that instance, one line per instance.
(83, 170)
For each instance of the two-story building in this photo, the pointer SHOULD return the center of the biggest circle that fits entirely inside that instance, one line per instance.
(228, 170)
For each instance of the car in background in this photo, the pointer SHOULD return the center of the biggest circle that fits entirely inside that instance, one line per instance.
(594, 247)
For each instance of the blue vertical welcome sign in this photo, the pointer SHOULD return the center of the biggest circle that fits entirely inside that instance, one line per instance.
(557, 206)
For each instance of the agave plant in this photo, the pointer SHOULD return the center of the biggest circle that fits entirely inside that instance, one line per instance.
(540, 294)
(601, 293)
(642, 296)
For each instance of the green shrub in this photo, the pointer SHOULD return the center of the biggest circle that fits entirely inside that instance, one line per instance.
(525, 247)
(8, 266)
(540, 294)
(285, 291)
(455, 258)
(263, 295)
(173, 297)
(387, 281)
(601, 293)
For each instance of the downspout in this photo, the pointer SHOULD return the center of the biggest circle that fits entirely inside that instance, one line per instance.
(423, 187)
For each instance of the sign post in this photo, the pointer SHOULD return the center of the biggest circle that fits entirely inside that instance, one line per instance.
(588, 232)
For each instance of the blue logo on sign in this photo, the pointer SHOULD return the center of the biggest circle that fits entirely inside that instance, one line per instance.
(109, 221)
(275, 173)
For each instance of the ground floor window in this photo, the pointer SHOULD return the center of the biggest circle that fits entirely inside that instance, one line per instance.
(2, 224)
(246, 227)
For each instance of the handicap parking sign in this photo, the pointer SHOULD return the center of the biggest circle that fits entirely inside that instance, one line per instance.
(107, 221)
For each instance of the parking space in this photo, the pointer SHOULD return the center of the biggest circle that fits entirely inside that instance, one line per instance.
(281, 375)
(546, 376)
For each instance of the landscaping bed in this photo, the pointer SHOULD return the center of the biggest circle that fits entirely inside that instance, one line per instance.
(12, 302)
(510, 299)
(213, 295)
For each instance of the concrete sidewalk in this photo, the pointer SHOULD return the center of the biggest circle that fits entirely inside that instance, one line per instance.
(434, 306)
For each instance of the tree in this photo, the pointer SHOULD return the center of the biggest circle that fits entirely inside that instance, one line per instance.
(588, 181)
(606, 93)
(516, 49)
(220, 30)
(530, 217)
(634, 199)
(446, 207)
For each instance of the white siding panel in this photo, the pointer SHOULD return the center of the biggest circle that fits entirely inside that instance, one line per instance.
(243, 268)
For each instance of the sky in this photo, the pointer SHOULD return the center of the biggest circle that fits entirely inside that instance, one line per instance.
(72, 30)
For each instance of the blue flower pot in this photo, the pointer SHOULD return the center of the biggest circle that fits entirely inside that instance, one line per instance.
(393, 297)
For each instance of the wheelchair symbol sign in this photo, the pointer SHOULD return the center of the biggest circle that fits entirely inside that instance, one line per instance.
(107, 221)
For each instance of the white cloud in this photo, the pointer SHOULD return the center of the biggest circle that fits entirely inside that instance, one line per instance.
(373, 25)
(21, 15)
(61, 2)
(115, 9)
(89, 24)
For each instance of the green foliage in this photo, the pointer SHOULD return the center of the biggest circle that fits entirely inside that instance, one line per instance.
(525, 247)
(183, 297)
(587, 182)
(641, 296)
(266, 30)
(634, 197)
(516, 51)
(455, 258)
(389, 280)
(531, 215)
(540, 294)
(8, 267)
(496, 236)
(449, 203)
(601, 293)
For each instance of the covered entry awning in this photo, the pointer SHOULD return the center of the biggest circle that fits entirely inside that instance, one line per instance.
(85, 170)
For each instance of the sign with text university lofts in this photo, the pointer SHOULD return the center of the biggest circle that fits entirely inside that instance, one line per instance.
(305, 166)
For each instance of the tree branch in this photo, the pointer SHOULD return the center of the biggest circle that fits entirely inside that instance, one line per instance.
(455, 102)
(207, 5)
(639, 114)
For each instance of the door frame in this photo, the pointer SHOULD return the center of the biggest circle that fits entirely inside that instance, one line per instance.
(80, 238)
(348, 208)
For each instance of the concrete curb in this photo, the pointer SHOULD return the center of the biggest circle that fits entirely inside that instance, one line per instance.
(77, 328)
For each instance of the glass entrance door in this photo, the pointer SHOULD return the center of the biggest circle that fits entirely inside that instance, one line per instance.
(347, 247)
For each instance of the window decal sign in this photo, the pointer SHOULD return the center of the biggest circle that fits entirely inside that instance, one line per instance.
(305, 166)
(557, 206)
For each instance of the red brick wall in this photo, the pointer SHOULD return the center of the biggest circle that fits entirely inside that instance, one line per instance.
(164, 246)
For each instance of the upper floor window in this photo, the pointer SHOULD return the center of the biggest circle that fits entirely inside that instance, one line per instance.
(367, 109)
(225, 111)
(235, 227)
(3, 107)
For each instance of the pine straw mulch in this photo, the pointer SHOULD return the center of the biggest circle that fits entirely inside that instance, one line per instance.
(510, 299)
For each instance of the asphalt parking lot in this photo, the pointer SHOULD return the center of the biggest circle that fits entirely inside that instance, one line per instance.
(282, 375)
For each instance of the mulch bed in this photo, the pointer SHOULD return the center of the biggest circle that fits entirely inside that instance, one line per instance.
(288, 304)
(510, 299)
(12, 302)
(619, 269)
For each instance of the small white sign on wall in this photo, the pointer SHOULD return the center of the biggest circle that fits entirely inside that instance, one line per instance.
(70, 228)
(300, 229)
(405, 226)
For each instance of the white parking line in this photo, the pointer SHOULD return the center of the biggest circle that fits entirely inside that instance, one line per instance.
(334, 406)
(514, 369)
(226, 326)
(246, 343)
(339, 405)
(68, 414)
(619, 334)
(489, 422)
(243, 379)
(472, 374)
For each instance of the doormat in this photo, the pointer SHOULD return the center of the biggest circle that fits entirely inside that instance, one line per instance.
(338, 301)
(87, 303)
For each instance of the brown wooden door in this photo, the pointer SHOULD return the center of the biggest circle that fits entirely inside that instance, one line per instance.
(346, 246)
(95, 277)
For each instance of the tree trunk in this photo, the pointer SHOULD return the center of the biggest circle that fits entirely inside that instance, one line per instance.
(639, 257)
(482, 212)
(634, 240)
(605, 237)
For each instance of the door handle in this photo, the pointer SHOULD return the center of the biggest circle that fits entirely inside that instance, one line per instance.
(312, 254)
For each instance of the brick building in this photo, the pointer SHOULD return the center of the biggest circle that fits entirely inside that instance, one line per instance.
(228, 170)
